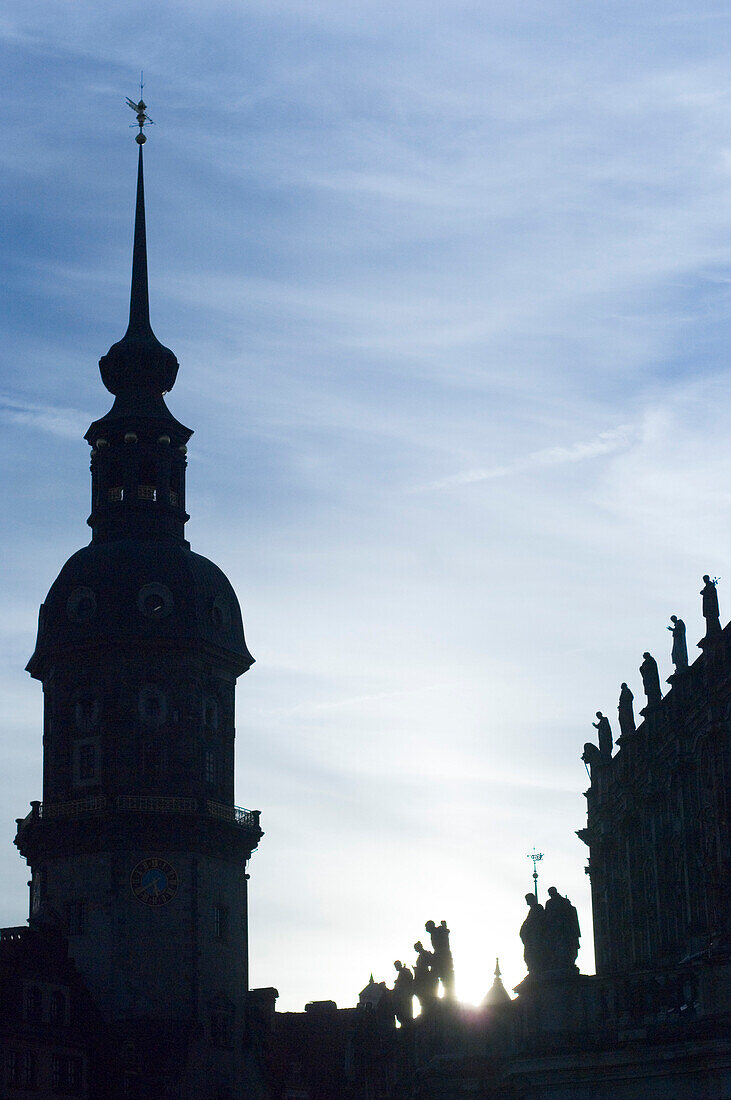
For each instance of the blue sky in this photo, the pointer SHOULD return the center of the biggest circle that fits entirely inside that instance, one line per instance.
(449, 287)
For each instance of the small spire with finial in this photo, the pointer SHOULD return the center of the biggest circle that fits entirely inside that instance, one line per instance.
(143, 119)
(138, 363)
(497, 994)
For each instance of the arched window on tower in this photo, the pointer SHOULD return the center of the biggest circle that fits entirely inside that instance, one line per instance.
(210, 712)
(175, 487)
(57, 1007)
(146, 488)
(33, 1003)
(209, 767)
(115, 480)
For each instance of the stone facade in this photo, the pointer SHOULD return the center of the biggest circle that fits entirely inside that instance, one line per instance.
(657, 827)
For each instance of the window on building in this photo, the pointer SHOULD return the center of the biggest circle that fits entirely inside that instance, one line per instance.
(73, 1075)
(131, 1086)
(86, 757)
(57, 1006)
(174, 491)
(86, 712)
(146, 489)
(33, 1003)
(66, 1074)
(210, 767)
(220, 922)
(211, 713)
(152, 705)
(20, 1069)
(37, 890)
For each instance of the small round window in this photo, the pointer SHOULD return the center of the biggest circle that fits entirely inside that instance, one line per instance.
(81, 605)
(155, 601)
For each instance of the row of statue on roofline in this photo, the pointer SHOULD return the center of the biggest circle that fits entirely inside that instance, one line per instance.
(550, 938)
(430, 968)
(651, 677)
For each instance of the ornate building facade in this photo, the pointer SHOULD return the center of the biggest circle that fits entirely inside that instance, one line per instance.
(658, 832)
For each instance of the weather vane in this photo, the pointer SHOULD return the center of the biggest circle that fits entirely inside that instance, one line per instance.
(536, 857)
(143, 119)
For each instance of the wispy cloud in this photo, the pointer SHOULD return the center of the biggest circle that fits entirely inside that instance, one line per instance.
(616, 439)
(65, 422)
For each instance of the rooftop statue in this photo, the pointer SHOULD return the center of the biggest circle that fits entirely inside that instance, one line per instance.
(650, 680)
(710, 606)
(532, 934)
(591, 756)
(562, 931)
(679, 654)
(627, 723)
(402, 995)
(550, 936)
(425, 978)
(443, 965)
(605, 735)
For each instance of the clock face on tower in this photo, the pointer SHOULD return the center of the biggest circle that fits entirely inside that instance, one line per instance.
(154, 881)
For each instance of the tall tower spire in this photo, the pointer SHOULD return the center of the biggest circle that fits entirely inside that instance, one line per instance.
(138, 369)
(137, 848)
(138, 449)
(139, 302)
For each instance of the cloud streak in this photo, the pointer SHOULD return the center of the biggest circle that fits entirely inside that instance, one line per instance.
(606, 443)
(65, 422)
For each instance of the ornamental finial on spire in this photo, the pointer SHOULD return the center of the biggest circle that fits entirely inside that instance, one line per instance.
(143, 119)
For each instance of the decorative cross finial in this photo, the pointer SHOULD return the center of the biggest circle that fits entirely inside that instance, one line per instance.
(143, 119)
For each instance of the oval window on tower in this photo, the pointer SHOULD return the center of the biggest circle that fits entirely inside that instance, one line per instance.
(155, 600)
(221, 613)
(81, 605)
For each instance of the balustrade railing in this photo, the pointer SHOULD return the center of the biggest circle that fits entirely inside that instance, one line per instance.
(151, 804)
(75, 808)
(237, 814)
(133, 803)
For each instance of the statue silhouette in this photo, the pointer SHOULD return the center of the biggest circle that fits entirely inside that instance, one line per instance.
(532, 933)
(443, 963)
(627, 723)
(402, 995)
(710, 606)
(650, 680)
(425, 980)
(679, 654)
(592, 757)
(562, 932)
(605, 735)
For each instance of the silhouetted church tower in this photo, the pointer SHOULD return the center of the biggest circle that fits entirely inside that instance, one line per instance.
(137, 850)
